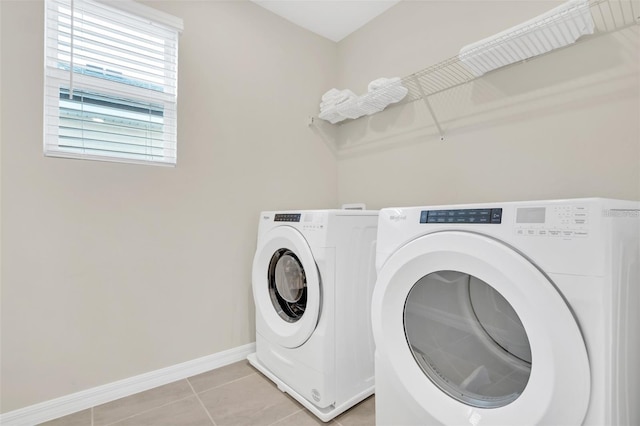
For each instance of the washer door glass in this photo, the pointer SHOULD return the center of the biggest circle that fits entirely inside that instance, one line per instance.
(467, 339)
(287, 285)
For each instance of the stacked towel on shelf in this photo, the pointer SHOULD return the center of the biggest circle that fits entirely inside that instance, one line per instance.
(382, 93)
(559, 27)
(381, 83)
(338, 105)
(330, 103)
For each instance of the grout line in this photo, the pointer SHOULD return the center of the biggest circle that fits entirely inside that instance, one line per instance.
(91, 416)
(286, 417)
(223, 384)
(201, 403)
(149, 410)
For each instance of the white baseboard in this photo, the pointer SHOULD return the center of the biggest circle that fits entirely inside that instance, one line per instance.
(83, 400)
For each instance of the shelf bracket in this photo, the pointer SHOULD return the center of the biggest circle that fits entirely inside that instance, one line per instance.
(326, 133)
(428, 104)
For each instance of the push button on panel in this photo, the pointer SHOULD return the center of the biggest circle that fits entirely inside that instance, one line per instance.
(496, 215)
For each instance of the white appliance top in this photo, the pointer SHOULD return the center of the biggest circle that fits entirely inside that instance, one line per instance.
(579, 228)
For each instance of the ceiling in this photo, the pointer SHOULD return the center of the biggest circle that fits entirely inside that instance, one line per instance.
(333, 19)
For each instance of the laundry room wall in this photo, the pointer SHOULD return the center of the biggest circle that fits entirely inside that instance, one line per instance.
(113, 270)
(558, 126)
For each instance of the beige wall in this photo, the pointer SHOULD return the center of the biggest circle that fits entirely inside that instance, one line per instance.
(563, 125)
(113, 270)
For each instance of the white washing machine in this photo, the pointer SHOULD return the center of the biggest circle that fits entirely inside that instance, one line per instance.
(313, 278)
(521, 313)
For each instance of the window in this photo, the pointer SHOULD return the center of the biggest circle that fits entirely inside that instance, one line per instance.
(110, 82)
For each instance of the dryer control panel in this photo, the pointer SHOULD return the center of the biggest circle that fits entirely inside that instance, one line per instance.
(567, 221)
(461, 216)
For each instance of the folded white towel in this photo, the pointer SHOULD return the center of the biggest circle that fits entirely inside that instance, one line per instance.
(381, 83)
(344, 96)
(331, 115)
(338, 105)
(350, 109)
(367, 107)
(338, 97)
(330, 94)
(558, 27)
(382, 98)
(332, 100)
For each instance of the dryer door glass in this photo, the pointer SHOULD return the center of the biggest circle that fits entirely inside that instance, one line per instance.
(467, 339)
(287, 285)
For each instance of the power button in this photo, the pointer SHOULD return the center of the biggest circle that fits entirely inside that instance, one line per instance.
(496, 215)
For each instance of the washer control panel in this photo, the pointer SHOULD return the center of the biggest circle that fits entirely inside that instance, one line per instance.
(313, 221)
(562, 221)
(304, 220)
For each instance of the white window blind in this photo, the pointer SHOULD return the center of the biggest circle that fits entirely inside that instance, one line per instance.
(110, 82)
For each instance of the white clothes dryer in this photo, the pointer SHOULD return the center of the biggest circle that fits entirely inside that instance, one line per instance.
(521, 313)
(313, 278)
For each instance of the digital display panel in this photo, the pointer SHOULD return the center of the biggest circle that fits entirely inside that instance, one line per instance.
(287, 217)
(530, 215)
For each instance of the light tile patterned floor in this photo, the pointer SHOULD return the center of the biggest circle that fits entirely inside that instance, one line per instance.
(235, 395)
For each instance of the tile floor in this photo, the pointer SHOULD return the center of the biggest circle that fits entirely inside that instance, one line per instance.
(235, 395)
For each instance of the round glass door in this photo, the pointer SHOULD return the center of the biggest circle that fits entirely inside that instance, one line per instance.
(467, 339)
(287, 285)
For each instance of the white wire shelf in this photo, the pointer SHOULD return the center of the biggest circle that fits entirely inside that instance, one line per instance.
(607, 15)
